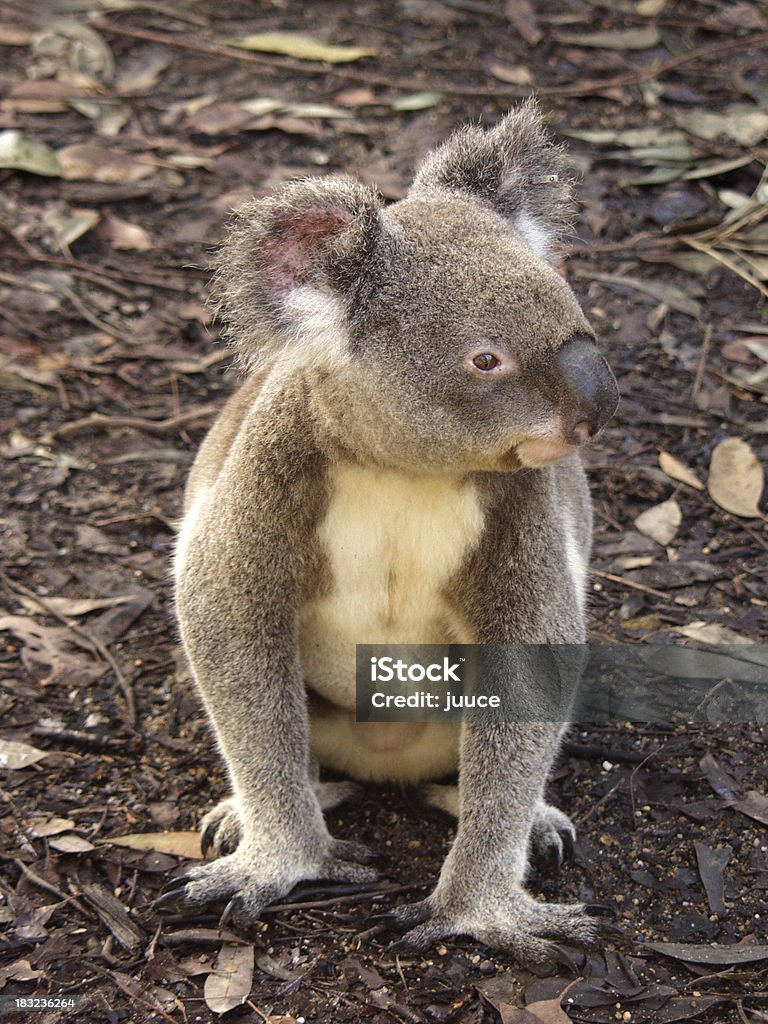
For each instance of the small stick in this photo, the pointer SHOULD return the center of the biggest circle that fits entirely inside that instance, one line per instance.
(166, 426)
(629, 583)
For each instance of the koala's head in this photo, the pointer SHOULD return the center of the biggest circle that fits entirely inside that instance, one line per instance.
(434, 332)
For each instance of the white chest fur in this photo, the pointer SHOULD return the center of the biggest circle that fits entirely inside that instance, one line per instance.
(392, 543)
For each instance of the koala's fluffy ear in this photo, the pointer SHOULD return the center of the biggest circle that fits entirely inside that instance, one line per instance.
(515, 167)
(287, 270)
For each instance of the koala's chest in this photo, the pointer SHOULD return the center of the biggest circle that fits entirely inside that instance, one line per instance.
(391, 544)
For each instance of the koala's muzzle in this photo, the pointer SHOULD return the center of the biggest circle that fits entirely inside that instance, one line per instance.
(586, 388)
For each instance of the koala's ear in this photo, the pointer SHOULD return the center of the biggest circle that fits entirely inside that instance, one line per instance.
(515, 167)
(287, 270)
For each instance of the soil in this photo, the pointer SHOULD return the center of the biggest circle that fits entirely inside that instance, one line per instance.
(110, 375)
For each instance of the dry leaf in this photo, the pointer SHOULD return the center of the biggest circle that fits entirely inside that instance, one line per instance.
(661, 522)
(21, 153)
(712, 633)
(124, 235)
(299, 46)
(21, 970)
(180, 844)
(676, 470)
(96, 161)
(51, 647)
(519, 75)
(71, 843)
(754, 805)
(548, 1011)
(229, 983)
(746, 125)
(14, 755)
(49, 826)
(74, 606)
(669, 294)
(522, 15)
(14, 34)
(717, 955)
(142, 72)
(735, 478)
(418, 101)
(628, 39)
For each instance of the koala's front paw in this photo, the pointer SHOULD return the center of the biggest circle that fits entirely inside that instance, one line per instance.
(250, 879)
(514, 922)
(552, 837)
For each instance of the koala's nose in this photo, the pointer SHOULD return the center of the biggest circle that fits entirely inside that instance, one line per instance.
(587, 387)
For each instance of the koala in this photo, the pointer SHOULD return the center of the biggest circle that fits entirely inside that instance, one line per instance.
(400, 465)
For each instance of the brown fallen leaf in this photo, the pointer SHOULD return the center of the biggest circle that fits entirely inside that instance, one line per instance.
(754, 805)
(15, 755)
(69, 842)
(712, 865)
(548, 1011)
(97, 161)
(299, 46)
(229, 983)
(21, 970)
(717, 955)
(623, 39)
(114, 915)
(513, 74)
(660, 522)
(124, 235)
(678, 471)
(736, 478)
(180, 844)
(73, 606)
(522, 16)
(49, 826)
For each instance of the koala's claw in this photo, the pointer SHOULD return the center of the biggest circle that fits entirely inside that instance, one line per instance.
(530, 931)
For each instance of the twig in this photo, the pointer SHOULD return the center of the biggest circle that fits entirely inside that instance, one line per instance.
(629, 583)
(132, 993)
(166, 426)
(47, 887)
(92, 641)
(358, 896)
(705, 346)
(86, 269)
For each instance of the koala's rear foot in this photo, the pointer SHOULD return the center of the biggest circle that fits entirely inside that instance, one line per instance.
(512, 921)
(220, 827)
(552, 835)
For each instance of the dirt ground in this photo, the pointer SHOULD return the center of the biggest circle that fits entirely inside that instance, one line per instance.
(127, 132)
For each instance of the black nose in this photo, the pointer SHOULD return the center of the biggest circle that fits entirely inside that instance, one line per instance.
(586, 388)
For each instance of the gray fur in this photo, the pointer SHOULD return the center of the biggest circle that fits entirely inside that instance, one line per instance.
(360, 324)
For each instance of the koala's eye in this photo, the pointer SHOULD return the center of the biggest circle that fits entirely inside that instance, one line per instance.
(486, 361)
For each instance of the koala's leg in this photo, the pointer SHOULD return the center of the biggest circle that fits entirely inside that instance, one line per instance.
(552, 833)
(237, 589)
(480, 890)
